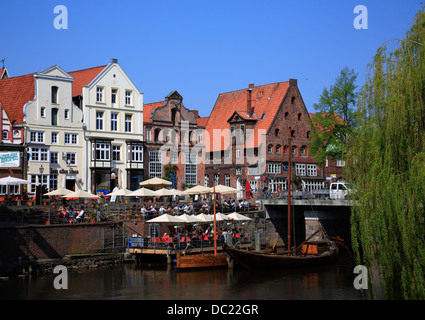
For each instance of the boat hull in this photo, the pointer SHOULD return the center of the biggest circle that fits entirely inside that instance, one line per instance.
(201, 261)
(252, 260)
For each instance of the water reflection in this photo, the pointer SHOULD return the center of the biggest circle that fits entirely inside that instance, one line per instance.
(134, 281)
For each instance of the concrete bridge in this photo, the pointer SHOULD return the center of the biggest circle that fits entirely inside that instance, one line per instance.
(307, 215)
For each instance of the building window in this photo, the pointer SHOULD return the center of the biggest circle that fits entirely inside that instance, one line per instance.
(54, 158)
(254, 186)
(55, 116)
(53, 182)
(302, 151)
(238, 171)
(128, 96)
(54, 137)
(37, 136)
(294, 150)
(273, 168)
(102, 151)
(242, 129)
(217, 179)
(206, 180)
(38, 154)
(174, 157)
(299, 116)
(300, 169)
(55, 91)
(71, 138)
(278, 149)
(276, 183)
(312, 170)
(99, 120)
(232, 130)
(114, 96)
(43, 112)
(66, 114)
(270, 148)
(190, 168)
(116, 153)
(340, 163)
(286, 115)
(71, 158)
(99, 94)
(114, 121)
(40, 179)
(5, 134)
(155, 164)
(227, 180)
(136, 153)
(238, 153)
(262, 116)
(128, 122)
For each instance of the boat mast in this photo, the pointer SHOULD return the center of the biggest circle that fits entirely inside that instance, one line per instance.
(289, 192)
(215, 226)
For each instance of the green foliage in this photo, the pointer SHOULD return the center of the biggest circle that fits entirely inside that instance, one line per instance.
(168, 169)
(387, 163)
(335, 119)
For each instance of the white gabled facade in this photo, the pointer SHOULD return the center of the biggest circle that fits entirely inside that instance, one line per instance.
(113, 118)
(53, 130)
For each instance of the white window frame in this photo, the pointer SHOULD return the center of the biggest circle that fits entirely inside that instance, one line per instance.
(37, 136)
(100, 94)
(114, 121)
(71, 138)
(102, 151)
(128, 97)
(128, 121)
(190, 168)
(136, 153)
(312, 170)
(155, 164)
(300, 169)
(54, 137)
(72, 156)
(54, 157)
(43, 180)
(274, 168)
(116, 153)
(99, 120)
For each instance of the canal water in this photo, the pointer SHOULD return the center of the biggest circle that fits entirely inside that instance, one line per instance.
(159, 282)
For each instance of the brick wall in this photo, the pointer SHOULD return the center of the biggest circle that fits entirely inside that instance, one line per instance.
(49, 242)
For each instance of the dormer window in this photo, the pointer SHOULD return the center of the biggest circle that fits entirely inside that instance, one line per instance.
(262, 116)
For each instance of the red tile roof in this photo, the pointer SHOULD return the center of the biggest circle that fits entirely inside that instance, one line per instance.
(265, 100)
(83, 78)
(202, 122)
(14, 94)
(148, 108)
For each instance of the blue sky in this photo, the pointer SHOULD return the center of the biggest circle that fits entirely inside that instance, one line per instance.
(203, 48)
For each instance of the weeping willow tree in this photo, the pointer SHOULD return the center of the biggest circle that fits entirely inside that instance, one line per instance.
(387, 164)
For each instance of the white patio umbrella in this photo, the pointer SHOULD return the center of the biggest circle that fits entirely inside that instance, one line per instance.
(238, 217)
(142, 192)
(225, 190)
(59, 192)
(164, 192)
(80, 194)
(197, 190)
(165, 218)
(188, 218)
(221, 216)
(121, 192)
(156, 182)
(13, 181)
(205, 217)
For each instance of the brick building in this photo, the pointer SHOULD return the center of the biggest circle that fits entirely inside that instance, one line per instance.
(253, 146)
(173, 141)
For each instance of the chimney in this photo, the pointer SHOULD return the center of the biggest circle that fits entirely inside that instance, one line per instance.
(249, 99)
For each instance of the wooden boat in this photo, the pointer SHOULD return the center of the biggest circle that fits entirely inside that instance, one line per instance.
(200, 261)
(306, 254)
(203, 260)
(258, 260)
